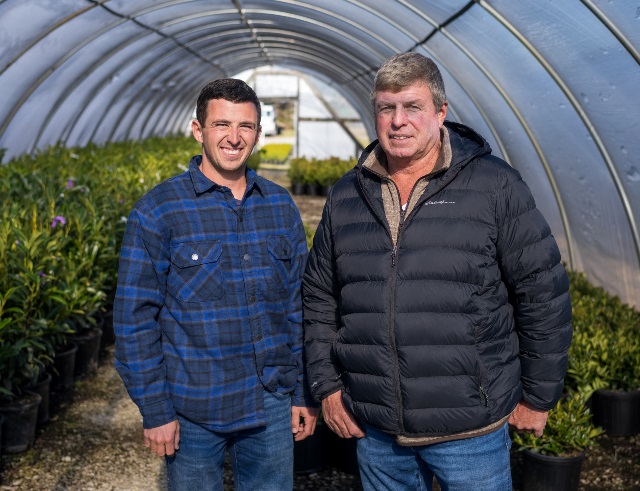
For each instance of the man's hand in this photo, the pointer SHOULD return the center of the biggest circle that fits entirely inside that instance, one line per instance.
(338, 418)
(526, 418)
(303, 421)
(163, 440)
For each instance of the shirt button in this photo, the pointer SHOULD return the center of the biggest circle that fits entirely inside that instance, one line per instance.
(246, 257)
(258, 337)
(252, 299)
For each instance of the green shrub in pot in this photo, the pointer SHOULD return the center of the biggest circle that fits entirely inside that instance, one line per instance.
(569, 430)
(605, 350)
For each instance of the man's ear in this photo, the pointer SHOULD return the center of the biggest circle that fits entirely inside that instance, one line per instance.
(442, 114)
(196, 129)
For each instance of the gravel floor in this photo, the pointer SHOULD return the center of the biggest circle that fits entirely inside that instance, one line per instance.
(94, 442)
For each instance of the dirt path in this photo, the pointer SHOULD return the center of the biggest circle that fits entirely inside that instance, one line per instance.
(94, 442)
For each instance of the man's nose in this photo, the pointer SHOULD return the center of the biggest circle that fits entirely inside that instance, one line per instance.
(234, 136)
(399, 117)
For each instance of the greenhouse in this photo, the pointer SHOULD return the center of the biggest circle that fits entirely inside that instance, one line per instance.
(98, 98)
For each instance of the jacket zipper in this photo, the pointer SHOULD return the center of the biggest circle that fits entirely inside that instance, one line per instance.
(392, 335)
(392, 325)
(392, 328)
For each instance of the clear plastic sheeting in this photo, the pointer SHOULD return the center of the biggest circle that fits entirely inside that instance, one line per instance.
(553, 86)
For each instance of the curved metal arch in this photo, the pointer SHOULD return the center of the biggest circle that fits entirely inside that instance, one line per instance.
(244, 11)
(43, 76)
(280, 47)
(477, 105)
(5, 124)
(44, 34)
(617, 33)
(129, 61)
(348, 21)
(626, 205)
(116, 127)
(76, 83)
(288, 35)
(329, 28)
(545, 164)
(190, 84)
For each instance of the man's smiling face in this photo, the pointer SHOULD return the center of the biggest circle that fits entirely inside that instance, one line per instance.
(407, 123)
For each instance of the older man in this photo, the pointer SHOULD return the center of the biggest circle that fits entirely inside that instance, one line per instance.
(436, 306)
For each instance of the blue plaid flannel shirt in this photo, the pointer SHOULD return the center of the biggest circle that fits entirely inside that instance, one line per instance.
(208, 311)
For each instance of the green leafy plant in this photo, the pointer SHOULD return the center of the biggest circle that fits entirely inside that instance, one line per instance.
(276, 152)
(605, 350)
(569, 430)
(62, 218)
(297, 170)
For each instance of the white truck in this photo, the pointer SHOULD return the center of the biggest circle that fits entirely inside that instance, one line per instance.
(269, 127)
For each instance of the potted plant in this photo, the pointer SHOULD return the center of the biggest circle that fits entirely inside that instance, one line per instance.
(19, 364)
(553, 461)
(604, 357)
(296, 173)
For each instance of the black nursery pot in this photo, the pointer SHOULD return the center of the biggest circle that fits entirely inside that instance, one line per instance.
(617, 411)
(43, 388)
(88, 353)
(20, 419)
(298, 188)
(310, 454)
(64, 364)
(550, 473)
(108, 334)
(1, 424)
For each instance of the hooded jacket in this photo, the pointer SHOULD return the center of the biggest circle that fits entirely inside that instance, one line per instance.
(447, 329)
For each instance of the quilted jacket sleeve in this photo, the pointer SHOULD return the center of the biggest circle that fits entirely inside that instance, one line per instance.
(321, 312)
(538, 291)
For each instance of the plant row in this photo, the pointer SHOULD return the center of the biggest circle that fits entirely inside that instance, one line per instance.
(316, 176)
(604, 355)
(62, 218)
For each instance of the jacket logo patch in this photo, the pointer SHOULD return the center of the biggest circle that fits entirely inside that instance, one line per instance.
(441, 202)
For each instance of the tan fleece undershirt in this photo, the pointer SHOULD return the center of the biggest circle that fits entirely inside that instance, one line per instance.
(376, 162)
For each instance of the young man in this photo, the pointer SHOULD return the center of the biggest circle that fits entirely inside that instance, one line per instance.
(208, 310)
(436, 306)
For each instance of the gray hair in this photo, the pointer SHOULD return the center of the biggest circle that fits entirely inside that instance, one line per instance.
(405, 69)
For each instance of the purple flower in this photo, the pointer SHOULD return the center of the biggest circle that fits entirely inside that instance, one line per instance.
(58, 220)
(69, 184)
(121, 201)
(41, 274)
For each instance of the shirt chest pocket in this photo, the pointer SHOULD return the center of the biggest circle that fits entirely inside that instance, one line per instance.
(196, 272)
(280, 258)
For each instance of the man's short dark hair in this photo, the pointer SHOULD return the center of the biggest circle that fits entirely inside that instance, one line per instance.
(405, 69)
(229, 89)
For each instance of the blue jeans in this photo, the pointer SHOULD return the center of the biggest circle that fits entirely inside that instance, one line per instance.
(462, 465)
(261, 458)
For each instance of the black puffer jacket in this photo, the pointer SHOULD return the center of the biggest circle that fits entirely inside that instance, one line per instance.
(468, 315)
